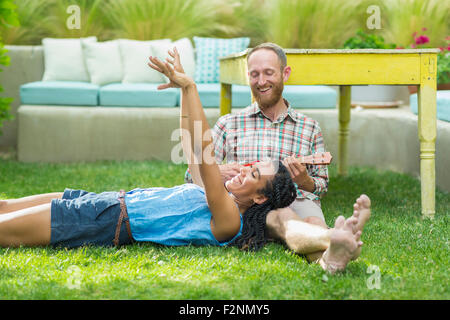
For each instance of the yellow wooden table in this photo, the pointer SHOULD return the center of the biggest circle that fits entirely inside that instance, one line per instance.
(344, 68)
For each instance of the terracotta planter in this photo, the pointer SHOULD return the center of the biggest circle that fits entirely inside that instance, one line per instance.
(443, 86)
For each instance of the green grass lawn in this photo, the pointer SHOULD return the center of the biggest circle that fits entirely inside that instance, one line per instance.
(411, 254)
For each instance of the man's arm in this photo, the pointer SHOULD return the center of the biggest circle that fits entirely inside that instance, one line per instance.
(319, 173)
(311, 178)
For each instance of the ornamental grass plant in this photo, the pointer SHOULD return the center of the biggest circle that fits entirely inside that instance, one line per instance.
(312, 24)
(33, 17)
(242, 18)
(290, 23)
(156, 19)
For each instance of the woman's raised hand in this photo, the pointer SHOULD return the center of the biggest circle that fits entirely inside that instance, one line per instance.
(172, 69)
(175, 61)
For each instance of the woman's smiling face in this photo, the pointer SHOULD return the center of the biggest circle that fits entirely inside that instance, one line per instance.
(246, 186)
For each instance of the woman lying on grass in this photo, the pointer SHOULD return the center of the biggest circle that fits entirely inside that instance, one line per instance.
(205, 213)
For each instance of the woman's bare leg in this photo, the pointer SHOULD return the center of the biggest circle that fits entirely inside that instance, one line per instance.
(11, 205)
(27, 227)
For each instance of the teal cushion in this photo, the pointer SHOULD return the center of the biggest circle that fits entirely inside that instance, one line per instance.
(209, 50)
(442, 104)
(210, 95)
(316, 97)
(59, 93)
(298, 96)
(138, 95)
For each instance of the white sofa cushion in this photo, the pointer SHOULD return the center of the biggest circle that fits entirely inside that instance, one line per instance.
(64, 60)
(135, 56)
(103, 61)
(186, 51)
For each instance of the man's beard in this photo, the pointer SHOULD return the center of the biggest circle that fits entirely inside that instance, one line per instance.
(276, 95)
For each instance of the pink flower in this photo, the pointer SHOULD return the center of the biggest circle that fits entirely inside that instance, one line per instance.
(441, 48)
(448, 47)
(424, 29)
(447, 38)
(422, 40)
(413, 46)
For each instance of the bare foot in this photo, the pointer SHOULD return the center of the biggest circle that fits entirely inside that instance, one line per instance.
(361, 211)
(343, 245)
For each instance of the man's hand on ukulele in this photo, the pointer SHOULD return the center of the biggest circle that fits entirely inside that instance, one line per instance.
(299, 173)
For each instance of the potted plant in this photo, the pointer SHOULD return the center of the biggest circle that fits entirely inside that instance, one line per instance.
(443, 61)
(363, 40)
(372, 95)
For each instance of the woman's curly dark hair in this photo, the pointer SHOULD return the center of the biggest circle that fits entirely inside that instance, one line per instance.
(280, 193)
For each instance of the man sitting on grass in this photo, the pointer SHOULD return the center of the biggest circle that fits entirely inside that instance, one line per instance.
(271, 128)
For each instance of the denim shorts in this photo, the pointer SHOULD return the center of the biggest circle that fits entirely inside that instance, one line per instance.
(86, 218)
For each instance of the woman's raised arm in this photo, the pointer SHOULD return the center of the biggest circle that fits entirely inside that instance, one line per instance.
(223, 208)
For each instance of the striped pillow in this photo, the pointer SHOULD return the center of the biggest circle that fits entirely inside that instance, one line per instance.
(208, 52)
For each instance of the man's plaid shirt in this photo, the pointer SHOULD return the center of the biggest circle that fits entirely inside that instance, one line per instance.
(249, 135)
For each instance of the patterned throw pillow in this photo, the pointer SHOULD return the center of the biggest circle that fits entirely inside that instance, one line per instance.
(208, 52)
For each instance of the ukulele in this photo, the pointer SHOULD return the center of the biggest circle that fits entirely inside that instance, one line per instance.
(324, 158)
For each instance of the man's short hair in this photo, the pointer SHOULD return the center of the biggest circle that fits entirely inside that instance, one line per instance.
(275, 48)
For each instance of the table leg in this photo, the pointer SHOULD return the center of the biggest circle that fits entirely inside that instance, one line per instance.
(344, 122)
(225, 98)
(426, 99)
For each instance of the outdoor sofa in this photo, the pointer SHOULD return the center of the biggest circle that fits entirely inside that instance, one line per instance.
(112, 112)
